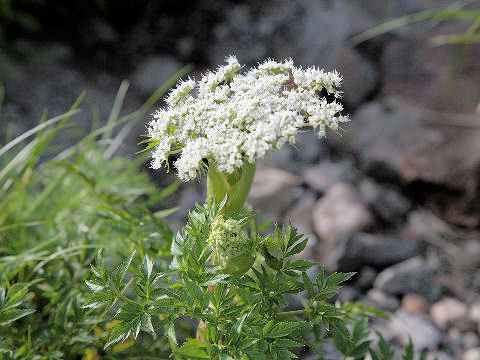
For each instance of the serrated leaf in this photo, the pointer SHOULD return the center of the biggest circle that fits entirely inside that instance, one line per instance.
(286, 343)
(10, 316)
(119, 332)
(272, 261)
(282, 329)
(300, 265)
(216, 279)
(360, 350)
(146, 267)
(94, 286)
(193, 348)
(320, 280)
(170, 330)
(147, 322)
(121, 270)
(298, 248)
(308, 285)
(99, 299)
(338, 278)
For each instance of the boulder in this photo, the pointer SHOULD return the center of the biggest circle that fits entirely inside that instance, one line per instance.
(414, 275)
(394, 139)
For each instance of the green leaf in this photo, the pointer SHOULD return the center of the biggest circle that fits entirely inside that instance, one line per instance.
(300, 265)
(193, 348)
(99, 299)
(6, 347)
(216, 279)
(308, 285)
(146, 268)
(170, 331)
(337, 278)
(298, 248)
(147, 325)
(272, 261)
(119, 273)
(408, 351)
(281, 329)
(10, 316)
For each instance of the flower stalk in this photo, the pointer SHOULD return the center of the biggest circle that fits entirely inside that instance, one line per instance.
(235, 186)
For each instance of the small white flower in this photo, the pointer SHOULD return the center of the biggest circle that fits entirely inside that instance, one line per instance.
(236, 117)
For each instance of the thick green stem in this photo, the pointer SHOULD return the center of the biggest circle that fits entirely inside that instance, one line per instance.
(236, 186)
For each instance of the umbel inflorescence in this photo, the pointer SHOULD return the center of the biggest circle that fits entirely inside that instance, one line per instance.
(229, 117)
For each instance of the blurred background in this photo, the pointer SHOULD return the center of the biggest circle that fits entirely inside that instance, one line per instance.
(396, 196)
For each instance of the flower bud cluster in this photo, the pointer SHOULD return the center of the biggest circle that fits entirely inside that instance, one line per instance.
(230, 117)
(233, 249)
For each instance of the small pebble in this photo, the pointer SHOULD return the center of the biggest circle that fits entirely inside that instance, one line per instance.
(472, 354)
(447, 311)
(414, 304)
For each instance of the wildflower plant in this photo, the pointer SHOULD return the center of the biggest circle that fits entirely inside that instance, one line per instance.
(248, 295)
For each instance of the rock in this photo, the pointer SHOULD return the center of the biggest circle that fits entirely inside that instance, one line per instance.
(376, 250)
(447, 312)
(360, 77)
(383, 300)
(470, 340)
(440, 355)
(388, 205)
(395, 139)
(300, 217)
(471, 253)
(366, 277)
(45, 83)
(419, 73)
(472, 354)
(410, 276)
(423, 333)
(474, 312)
(272, 190)
(321, 177)
(336, 217)
(414, 304)
(340, 212)
(153, 72)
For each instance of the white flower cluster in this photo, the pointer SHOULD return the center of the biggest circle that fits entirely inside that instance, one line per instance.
(230, 117)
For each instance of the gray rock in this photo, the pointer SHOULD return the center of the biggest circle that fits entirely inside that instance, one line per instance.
(153, 72)
(410, 276)
(341, 211)
(394, 138)
(366, 277)
(336, 216)
(472, 354)
(321, 177)
(383, 300)
(474, 312)
(470, 340)
(448, 311)
(375, 250)
(422, 331)
(272, 190)
(388, 205)
(360, 77)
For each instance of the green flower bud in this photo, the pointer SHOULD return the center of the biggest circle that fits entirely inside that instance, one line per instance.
(233, 249)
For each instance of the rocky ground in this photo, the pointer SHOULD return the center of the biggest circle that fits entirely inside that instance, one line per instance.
(396, 197)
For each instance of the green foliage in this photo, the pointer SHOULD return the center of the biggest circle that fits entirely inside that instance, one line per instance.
(58, 205)
(240, 316)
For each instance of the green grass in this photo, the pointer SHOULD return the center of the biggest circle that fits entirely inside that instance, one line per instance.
(58, 206)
